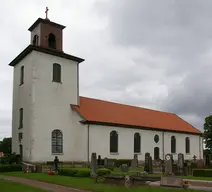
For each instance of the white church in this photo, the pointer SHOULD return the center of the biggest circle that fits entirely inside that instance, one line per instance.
(50, 118)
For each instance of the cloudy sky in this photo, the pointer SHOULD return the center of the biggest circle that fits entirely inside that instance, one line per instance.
(149, 53)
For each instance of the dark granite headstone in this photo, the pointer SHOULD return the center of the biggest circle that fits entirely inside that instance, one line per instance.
(134, 163)
(180, 164)
(93, 165)
(124, 168)
(150, 165)
(146, 165)
(168, 164)
(99, 160)
(200, 164)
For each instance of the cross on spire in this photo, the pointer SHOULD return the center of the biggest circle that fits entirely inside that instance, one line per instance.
(47, 9)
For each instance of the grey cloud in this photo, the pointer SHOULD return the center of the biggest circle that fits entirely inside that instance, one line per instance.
(178, 30)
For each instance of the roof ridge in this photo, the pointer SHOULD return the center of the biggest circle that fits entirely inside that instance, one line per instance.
(113, 102)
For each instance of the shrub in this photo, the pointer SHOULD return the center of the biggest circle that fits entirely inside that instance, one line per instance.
(119, 162)
(81, 172)
(67, 172)
(10, 168)
(103, 171)
(202, 173)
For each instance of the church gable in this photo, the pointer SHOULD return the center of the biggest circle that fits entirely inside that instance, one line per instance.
(108, 113)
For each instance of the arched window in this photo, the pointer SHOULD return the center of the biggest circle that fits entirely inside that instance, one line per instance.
(56, 73)
(156, 138)
(35, 40)
(173, 144)
(113, 142)
(187, 145)
(52, 41)
(137, 143)
(57, 141)
(156, 153)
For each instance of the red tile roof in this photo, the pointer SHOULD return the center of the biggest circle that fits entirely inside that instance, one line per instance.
(99, 111)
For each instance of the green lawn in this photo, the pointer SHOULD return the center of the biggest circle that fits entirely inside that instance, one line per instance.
(7, 186)
(85, 183)
(117, 171)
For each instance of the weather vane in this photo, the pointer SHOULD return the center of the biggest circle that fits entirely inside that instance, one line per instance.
(47, 9)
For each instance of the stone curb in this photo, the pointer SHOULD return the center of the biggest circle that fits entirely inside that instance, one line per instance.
(202, 181)
(200, 188)
(157, 184)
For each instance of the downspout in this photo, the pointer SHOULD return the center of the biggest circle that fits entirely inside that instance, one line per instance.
(199, 147)
(163, 144)
(88, 144)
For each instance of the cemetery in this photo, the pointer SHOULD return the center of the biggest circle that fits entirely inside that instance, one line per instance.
(124, 173)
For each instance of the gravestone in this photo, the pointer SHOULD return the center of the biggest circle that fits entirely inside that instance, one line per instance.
(128, 181)
(194, 158)
(38, 168)
(124, 168)
(207, 160)
(180, 163)
(56, 163)
(189, 168)
(171, 181)
(148, 163)
(200, 164)
(93, 165)
(99, 160)
(105, 161)
(134, 163)
(168, 164)
(163, 166)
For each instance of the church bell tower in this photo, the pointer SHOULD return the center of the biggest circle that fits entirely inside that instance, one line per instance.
(45, 85)
(47, 34)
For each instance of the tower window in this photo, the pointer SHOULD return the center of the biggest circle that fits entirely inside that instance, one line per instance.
(20, 136)
(35, 40)
(56, 73)
(22, 75)
(21, 115)
(52, 41)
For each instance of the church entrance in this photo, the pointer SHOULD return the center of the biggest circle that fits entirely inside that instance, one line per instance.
(21, 152)
(156, 153)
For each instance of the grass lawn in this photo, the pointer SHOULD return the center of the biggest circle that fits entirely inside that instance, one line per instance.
(86, 183)
(7, 186)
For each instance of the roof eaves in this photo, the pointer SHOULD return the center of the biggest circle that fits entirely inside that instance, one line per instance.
(45, 21)
(30, 48)
(136, 127)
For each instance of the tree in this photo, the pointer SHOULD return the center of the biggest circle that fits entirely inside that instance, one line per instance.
(208, 132)
(5, 145)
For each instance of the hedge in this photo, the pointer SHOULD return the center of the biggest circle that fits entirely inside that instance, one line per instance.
(81, 172)
(10, 168)
(119, 162)
(202, 173)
